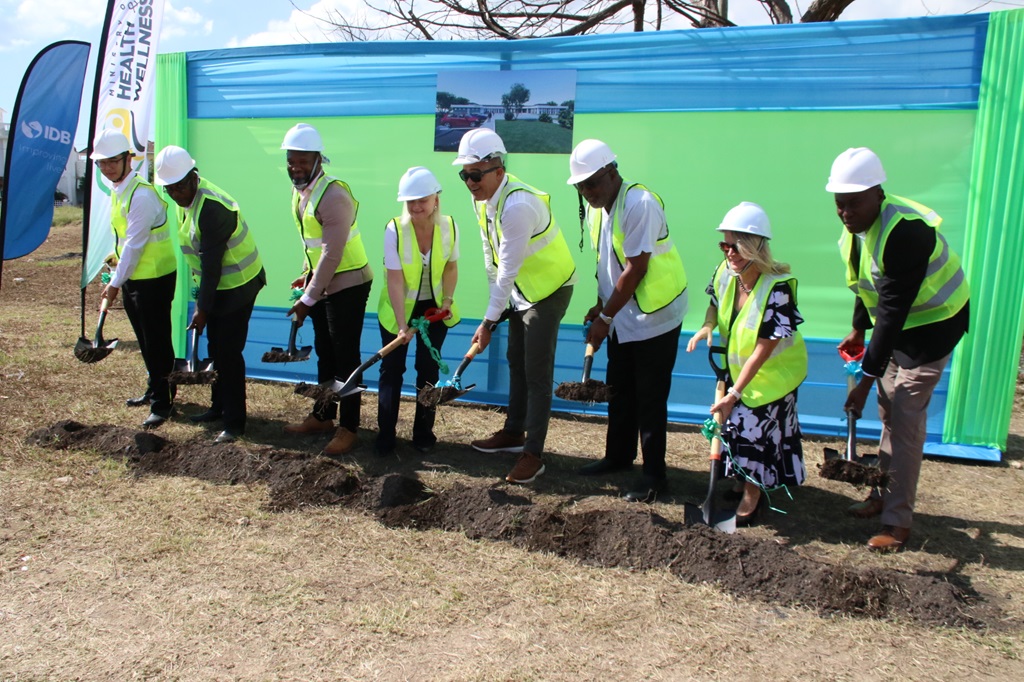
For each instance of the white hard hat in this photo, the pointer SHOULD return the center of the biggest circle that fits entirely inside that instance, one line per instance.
(855, 170)
(748, 218)
(108, 144)
(172, 164)
(416, 183)
(477, 145)
(303, 137)
(587, 158)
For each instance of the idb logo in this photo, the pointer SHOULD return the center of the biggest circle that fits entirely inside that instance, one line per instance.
(33, 129)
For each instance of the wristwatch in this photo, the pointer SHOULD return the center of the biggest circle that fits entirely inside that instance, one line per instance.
(607, 319)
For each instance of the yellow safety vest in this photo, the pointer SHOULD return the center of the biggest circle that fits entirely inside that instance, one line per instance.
(786, 367)
(157, 258)
(665, 279)
(548, 264)
(443, 243)
(312, 232)
(241, 260)
(945, 289)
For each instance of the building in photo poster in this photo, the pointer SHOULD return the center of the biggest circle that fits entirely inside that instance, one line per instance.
(532, 111)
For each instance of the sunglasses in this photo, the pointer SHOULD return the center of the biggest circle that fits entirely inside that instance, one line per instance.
(726, 247)
(179, 186)
(591, 182)
(476, 175)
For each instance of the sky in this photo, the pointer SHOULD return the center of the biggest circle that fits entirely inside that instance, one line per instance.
(27, 26)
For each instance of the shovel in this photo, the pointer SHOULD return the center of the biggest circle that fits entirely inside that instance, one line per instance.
(192, 371)
(706, 514)
(337, 390)
(446, 391)
(587, 390)
(849, 466)
(97, 349)
(291, 354)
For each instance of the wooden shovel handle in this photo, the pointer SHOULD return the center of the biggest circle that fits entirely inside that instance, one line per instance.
(588, 362)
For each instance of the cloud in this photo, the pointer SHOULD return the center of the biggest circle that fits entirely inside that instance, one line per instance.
(303, 26)
(30, 22)
(183, 22)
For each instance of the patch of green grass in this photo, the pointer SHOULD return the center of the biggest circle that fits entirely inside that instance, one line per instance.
(65, 215)
(534, 137)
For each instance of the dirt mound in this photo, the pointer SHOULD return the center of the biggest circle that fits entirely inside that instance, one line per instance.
(635, 538)
(589, 391)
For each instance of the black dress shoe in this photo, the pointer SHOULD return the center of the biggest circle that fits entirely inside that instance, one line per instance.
(153, 420)
(143, 399)
(203, 417)
(647, 490)
(227, 436)
(604, 466)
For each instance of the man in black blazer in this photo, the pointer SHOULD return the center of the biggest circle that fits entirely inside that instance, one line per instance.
(912, 293)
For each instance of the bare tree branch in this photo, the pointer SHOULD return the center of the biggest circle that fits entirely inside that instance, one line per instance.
(514, 19)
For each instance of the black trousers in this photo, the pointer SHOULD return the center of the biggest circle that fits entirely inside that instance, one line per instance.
(640, 376)
(147, 302)
(226, 334)
(337, 328)
(392, 370)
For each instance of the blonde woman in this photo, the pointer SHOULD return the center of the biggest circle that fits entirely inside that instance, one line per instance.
(753, 304)
(421, 250)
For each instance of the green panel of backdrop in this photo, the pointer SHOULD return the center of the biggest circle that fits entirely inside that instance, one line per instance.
(701, 163)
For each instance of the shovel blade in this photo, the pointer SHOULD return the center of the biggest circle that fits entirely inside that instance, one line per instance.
(831, 454)
(720, 519)
(349, 388)
(87, 351)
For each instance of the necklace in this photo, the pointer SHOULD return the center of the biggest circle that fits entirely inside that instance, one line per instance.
(743, 287)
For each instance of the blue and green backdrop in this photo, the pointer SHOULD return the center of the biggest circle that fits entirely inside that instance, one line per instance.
(707, 119)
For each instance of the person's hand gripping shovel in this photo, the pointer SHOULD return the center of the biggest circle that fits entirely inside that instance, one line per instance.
(848, 466)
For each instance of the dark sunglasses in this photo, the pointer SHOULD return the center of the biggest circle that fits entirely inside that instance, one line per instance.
(476, 175)
(179, 186)
(591, 182)
(726, 247)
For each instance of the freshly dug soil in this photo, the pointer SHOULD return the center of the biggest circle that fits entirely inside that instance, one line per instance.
(436, 395)
(589, 391)
(636, 538)
(853, 472)
(278, 355)
(192, 378)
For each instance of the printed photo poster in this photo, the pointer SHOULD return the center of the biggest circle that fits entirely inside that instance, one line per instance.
(532, 111)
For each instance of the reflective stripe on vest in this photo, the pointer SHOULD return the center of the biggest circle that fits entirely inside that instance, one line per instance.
(312, 232)
(786, 367)
(441, 248)
(548, 264)
(665, 279)
(241, 260)
(944, 290)
(157, 257)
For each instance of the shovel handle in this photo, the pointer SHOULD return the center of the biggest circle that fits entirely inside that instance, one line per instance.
(851, 436)
(588, 362)
(97, 339)
(291, 336)
(716, 443)
(193, 360)
(470, 354)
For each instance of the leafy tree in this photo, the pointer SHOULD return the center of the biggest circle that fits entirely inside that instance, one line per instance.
(511, 19)
(544, 118)
(565, 116)
(445, 100)
(515, 99)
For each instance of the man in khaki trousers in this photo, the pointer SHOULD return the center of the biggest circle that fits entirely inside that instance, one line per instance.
(912, 293)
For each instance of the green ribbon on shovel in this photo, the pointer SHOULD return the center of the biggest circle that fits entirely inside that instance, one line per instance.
(711, 430)
(422, 325)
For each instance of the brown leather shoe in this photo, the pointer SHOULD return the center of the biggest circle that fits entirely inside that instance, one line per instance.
(310, 425)
(867, 509)
(500, 441)
(344, 441)
(889, 539)
(528, 467)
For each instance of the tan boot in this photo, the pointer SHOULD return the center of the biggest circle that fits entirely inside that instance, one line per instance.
(310, 425)
(344, 441)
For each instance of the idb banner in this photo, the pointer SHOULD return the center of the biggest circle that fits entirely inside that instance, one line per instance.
(125, 82)
(41, 140)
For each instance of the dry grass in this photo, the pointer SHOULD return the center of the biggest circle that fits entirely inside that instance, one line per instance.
(108, 576)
